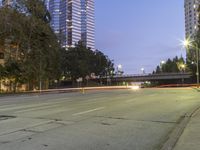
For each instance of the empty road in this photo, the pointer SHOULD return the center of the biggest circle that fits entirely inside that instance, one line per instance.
(97, 120)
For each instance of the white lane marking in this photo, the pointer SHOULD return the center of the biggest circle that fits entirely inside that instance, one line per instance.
(34, 105)
(40, 108)
(18, 98)
(88, 111)
(152, 95)
(26, 127)
(7, 105)
(131, 100)
(30, 97)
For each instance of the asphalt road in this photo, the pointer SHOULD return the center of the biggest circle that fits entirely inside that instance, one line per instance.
(101, 120)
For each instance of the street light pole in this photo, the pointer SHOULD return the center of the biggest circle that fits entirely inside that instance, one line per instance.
(40, 73)
(187, 43)
(197, 73)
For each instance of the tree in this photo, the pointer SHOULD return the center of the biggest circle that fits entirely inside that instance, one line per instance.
(81, 61)
(28, 40)
(172, 66)
(102, 65)
(13, 72)
(2, 75)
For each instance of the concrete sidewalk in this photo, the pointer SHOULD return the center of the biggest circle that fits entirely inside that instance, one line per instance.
(190, 139)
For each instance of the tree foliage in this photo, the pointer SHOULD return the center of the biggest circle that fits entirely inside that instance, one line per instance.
(29, 42)
(81, 61)
(32, 51)
(174, 65)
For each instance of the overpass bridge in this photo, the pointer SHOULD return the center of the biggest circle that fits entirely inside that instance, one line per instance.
(149, 77)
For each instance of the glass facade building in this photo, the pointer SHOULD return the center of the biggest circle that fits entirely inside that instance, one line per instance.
(8, 2)
(70, 22)
(73, 20)
(191, 17)
(191, 24)
(54, 9)
(87, 22)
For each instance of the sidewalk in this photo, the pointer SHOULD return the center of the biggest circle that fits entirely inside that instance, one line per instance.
(190, 139)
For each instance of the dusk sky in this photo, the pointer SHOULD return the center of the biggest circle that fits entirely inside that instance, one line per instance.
(139, 34)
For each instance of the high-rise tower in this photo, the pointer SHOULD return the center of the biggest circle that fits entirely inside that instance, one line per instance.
(87, 23)
(191, 25)
(8, 2)
(191, 17)
(72, 21)
(54, 9)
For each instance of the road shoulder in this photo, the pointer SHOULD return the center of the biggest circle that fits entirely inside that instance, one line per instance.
(190, 139)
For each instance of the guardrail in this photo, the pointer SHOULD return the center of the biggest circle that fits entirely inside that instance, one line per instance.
(149, 77)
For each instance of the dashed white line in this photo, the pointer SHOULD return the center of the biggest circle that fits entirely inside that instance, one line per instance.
(34, 109)
(131, 100)
(88, 111)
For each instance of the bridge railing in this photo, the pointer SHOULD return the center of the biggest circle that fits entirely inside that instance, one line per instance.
(150, 74)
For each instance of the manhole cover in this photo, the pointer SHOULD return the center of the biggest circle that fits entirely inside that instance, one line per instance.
(4, 117)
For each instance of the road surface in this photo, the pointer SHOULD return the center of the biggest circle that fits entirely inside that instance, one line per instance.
(98, 120)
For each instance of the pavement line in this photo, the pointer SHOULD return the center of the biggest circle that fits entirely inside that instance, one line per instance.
(88, 111)
(131, 100)
(26, 127)
(176, 133)
(20, 97)
(40, 108)
(33, 105)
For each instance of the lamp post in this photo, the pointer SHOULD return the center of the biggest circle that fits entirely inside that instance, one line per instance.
(182, 69)
(119, 69)
(161, 65)
(187, 43)
(143, 70)
(40, 77)
(197, 73)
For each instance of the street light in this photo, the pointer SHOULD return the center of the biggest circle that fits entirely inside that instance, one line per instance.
(188, 43)
(143, 70)
(161, 65)
(182, 69)
(119, 69)
(162, 62)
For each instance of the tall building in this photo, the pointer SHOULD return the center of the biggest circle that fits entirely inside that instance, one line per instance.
(72, 21)
(191, 17)
(54, 8)
(191, 24)
(87, 22)
(8, 2)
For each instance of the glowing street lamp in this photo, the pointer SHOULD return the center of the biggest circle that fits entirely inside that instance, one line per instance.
(143, 70)
(161, 65)
(183, 66)
(182, 69)
(162, 62)
(187, 43)
(119, 67)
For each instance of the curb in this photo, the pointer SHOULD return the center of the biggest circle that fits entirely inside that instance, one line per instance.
(176, 133)
(66, 90)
